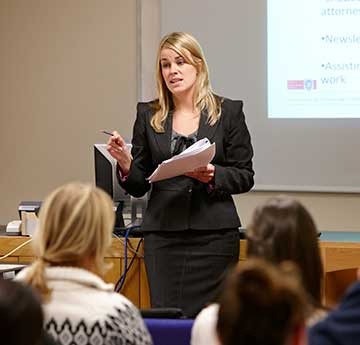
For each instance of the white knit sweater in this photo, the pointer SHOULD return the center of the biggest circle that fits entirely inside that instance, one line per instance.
(84, 310)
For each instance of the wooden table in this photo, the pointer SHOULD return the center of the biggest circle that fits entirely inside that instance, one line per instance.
(135, 287)
(340, 252)
(340, 255)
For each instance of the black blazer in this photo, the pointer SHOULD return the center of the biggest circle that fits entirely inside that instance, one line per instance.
(181, 202)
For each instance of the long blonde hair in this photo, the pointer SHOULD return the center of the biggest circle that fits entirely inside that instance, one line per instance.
(186, 46)
(75, 223)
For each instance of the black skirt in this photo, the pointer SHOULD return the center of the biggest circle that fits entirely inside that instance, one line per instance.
(186, 269)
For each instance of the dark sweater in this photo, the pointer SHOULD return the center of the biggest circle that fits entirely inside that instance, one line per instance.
(341, 326)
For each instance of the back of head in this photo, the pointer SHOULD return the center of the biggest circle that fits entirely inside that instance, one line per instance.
(261, 305)
(76, 223)
(282, 229)
(21, 317)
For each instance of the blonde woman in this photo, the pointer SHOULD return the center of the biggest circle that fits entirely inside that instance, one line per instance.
(75, 229)
(191, 223)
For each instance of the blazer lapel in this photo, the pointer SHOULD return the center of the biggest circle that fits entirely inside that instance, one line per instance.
(163, 139)
(205, 130)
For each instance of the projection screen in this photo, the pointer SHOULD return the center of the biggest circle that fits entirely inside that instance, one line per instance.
(296, 66)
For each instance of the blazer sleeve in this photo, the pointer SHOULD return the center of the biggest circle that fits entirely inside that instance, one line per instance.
(236, 174)
(141, 167)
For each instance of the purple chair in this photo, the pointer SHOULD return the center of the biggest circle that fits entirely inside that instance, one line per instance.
(170, 331)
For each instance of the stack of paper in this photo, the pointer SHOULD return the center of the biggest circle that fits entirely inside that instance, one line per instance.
(197, 155)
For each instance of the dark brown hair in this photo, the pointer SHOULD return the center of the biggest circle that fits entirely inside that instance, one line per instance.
(21, 315)
(261, 304)
(282, 229)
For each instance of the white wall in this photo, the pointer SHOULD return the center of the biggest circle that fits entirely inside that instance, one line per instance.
(293, 154)
(331, 211)
(68, 69)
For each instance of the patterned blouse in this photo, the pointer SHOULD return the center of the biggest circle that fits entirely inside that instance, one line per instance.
(180, 142)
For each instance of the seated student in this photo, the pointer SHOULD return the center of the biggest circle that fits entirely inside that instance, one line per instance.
(281, 229)
(75, 229)
(341, 326)
(21, 316)
(262, 305)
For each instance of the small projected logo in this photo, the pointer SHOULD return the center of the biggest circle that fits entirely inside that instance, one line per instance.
(306, 84)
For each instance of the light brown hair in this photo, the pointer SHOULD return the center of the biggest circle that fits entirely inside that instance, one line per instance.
(282, 229)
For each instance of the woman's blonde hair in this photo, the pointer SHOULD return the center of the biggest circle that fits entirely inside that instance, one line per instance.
(204, 99)
(75, 223)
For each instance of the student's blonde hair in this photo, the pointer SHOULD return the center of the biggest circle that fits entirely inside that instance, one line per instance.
(204, 99)
(75, 223)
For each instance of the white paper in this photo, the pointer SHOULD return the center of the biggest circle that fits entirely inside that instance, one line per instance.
(197, 155)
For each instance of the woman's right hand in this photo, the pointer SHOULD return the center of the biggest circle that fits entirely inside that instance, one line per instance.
(116, 146)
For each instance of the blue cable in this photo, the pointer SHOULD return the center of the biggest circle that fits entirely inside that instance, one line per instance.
(122, 279)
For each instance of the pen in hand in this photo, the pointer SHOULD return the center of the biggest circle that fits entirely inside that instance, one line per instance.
(106, 132)
(120, 148)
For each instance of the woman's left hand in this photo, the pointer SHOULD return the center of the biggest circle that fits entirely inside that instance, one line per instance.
(203, 174)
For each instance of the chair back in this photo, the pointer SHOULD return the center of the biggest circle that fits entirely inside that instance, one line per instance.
(170, 331)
